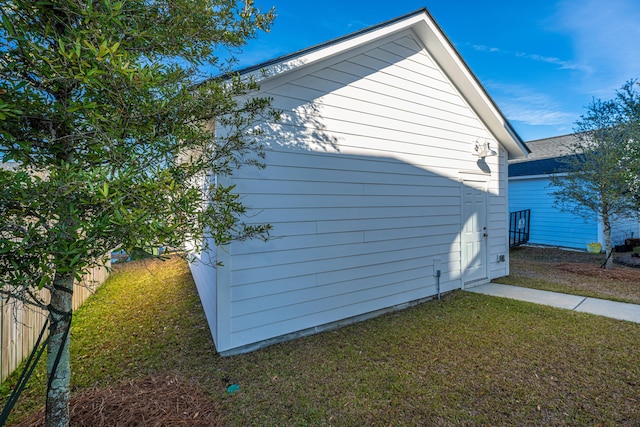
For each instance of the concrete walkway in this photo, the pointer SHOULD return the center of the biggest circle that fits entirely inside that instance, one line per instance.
(615, 310)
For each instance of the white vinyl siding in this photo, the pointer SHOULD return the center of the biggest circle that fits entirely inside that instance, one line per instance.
(498, 222)
(362, 188)
(351, 240)
(206, 280)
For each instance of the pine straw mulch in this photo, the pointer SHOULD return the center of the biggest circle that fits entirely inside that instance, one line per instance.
(151, 402)
(600, 273)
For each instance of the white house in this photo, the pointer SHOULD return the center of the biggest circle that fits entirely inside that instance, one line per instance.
(530, 188)
(379, 184)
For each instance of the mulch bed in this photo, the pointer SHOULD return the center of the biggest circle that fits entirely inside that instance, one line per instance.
(601, 273)
(151, 401)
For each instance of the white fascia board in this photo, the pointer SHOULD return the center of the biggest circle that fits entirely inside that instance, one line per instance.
(522, 178)
(332, 49)
(541, 176)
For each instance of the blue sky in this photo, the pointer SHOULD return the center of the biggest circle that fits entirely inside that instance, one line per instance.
(542, 61)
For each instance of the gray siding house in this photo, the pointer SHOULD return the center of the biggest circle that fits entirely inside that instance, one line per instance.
(386, 181)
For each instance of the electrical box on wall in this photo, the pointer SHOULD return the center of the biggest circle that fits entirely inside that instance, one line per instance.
(501, 258)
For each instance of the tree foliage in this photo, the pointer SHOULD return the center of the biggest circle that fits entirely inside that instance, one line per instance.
(601, 179)
(106, 112)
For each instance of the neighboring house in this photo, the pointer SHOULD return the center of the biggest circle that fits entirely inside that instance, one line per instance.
(379, 185)
(530, 188)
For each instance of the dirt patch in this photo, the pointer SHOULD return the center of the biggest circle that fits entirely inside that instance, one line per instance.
(151, 401)
(600, 273)
(628, 259)
(574, 272)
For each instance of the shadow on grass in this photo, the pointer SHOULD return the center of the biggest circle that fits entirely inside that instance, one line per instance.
(470, 360)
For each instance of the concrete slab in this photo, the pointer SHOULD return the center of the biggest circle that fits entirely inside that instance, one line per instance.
(613, 309)
(552, 299)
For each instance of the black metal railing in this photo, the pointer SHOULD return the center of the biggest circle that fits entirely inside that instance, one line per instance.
(519, 223)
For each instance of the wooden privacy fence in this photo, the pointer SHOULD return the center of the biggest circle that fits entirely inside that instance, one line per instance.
(20, 324)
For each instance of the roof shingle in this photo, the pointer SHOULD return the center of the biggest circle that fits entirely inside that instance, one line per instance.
(547, 157)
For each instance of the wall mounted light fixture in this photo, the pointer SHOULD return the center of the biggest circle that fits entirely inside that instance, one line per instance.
(483, 149)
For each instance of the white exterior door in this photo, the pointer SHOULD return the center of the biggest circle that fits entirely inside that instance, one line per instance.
(474, 231)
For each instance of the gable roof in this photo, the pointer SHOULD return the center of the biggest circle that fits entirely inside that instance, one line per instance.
(546, 156)
(432, 37)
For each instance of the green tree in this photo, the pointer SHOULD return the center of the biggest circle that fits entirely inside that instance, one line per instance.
(628, 99)
(600, 180)
(102, 110)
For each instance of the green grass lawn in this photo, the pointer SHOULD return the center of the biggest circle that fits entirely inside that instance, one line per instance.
(469, 360)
